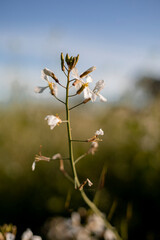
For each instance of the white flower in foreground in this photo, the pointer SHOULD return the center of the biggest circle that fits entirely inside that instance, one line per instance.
(99, 132)
(79, 78)
(53, 121)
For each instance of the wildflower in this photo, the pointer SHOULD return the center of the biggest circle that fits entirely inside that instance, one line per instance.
(79, 79)
(99, 132)
(53, 121)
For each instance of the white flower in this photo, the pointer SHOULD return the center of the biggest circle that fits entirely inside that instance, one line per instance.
(33, 166)
(99, 132)
(53, 121)
(10, 236)
(46, 72)
(27, 235)
(79, 79)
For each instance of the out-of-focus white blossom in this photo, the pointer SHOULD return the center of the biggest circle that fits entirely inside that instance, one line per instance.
(99, 86)
(93, 148)
(9, 236)
(53, 121)
(33, 166)
(99, 132)
(27, 235)
(109, 235)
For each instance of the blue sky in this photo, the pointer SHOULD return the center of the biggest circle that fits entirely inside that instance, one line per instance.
(121, 38)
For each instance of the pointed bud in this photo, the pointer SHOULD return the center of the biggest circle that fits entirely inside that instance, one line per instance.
(67, 58)
(77, 58)
(74, 63)
(49, 73)
(87, 72)
(86, 100)
(62, 62)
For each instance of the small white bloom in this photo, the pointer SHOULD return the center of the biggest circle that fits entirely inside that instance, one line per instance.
(33, 166)
(99, 132)
(39, 89)
(53, 121)
(79, 79)
(99, 86)
(27, 235)
(10, 236)
(89, 182)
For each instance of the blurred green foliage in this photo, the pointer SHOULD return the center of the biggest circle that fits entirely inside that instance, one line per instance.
(130, 153)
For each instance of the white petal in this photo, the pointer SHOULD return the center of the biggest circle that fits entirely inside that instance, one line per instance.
(102, 99)
(87, 93)
(27, 235)
(9, 236)
(93, 97)
(43, 75)
(99, 86)
(39, 89)
(78, 84)
(99, 132)
(55, 88)
(89, 79)
(75, 73)
(33, 166)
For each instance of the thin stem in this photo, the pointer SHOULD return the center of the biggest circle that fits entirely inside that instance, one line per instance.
(59, 100)
(76, 105)
(73, 95)
(78, 159)
(76, 180)
(69, 134)
(61, 85)
(79, 140)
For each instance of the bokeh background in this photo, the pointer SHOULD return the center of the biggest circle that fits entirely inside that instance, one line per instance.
(120, 38)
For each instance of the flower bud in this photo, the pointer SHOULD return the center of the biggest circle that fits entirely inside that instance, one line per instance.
(67, 58)
(62, 62)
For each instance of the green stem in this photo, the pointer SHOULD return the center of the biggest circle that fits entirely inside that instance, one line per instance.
(69, 133)
(76, 180)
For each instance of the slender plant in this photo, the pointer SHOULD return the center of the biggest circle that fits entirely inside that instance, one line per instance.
(80, 84)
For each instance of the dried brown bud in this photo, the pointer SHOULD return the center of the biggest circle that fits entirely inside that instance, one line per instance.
(82, 88)
(86, 100)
